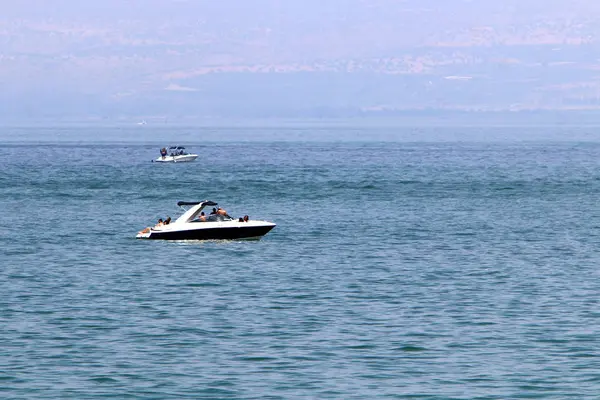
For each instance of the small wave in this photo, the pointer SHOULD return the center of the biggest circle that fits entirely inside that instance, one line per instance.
(104, 379)
(411, 348)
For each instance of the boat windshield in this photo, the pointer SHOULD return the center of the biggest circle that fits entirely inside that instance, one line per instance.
(217, 218)
(212, 218)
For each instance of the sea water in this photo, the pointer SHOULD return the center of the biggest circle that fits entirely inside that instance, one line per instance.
(440, 263)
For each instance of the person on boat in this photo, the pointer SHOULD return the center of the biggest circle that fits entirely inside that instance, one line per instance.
(222, 212)
(148, 229)
(168, 221)
(202, 217)
(214, 211)
(163, 152)
(246, 218)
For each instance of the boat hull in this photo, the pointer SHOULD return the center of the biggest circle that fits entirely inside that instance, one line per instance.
(217, 233)
(177, 159)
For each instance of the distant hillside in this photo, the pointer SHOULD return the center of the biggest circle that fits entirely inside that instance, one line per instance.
(271, 58)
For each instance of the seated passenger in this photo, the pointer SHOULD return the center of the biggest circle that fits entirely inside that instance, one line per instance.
(246, 218)
(202, 217)
(214, 211)
(221, 211)
(168, 221)
(148, 229)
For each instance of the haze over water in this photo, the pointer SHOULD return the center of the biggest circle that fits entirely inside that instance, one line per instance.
(438, 263)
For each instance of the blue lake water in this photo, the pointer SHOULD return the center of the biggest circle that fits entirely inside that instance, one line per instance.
(406, 263)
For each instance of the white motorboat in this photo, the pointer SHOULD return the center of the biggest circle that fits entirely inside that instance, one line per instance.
(193, 224)
(175, 154)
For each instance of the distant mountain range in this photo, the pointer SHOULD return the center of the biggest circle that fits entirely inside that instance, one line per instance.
(276, 58)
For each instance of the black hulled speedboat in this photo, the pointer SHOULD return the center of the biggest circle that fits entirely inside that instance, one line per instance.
(194, 224)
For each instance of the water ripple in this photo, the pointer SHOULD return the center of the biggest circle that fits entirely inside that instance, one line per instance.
(397, 270)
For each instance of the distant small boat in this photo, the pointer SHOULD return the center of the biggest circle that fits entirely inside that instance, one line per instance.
(175, 154)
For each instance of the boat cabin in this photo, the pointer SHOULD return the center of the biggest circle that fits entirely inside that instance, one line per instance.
(192, 214)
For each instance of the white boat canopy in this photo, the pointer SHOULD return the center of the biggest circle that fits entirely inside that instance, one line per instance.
(197, 207)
